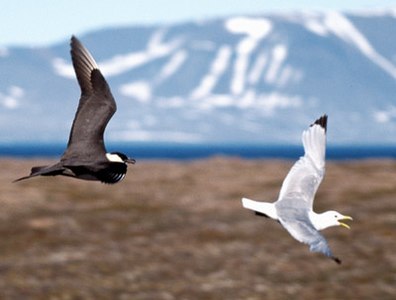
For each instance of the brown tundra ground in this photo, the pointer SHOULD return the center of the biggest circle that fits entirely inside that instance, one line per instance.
(176, 230)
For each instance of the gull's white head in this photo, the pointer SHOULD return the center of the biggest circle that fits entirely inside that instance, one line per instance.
(330, 218)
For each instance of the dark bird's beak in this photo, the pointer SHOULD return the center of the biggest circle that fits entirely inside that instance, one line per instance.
(130, 161)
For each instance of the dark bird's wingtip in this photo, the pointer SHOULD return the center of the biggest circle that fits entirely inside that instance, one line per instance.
(322, 121)
(74, 41)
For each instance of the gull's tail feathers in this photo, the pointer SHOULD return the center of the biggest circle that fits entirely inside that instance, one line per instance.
(261, 208)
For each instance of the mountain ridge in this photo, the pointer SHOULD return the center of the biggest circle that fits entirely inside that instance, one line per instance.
(241, 79)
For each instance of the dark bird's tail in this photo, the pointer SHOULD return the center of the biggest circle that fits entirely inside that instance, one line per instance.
(43, 171)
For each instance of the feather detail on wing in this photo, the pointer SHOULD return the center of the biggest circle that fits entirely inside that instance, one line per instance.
(304, 232)
(95, 108)
(307, 173)
(83, 64)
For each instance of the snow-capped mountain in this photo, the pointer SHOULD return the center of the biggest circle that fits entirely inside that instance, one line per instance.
(256, 79)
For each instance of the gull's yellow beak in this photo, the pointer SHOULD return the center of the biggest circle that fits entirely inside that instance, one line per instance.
(343, 224)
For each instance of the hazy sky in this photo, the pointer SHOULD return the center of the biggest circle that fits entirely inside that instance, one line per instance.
(38, 22)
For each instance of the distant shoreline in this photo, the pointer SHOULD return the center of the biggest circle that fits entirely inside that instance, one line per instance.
(199, 151)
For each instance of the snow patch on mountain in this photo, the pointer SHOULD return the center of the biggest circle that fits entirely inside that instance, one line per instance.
(257, 68)
(278, 56)
(216, 70)
(385, 116)
(156, 48)
(139, 90)
(265, 103)
(268, 103)
(254, 29)
(338, 24)
(173, 65)
(11, 99)
(122, 63)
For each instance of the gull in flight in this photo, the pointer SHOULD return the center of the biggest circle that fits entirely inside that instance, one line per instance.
(293, 209)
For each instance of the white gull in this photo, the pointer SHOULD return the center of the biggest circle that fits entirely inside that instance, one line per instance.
(293, 209)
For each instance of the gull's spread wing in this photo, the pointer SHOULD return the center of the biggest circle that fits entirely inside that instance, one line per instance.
(305, 176)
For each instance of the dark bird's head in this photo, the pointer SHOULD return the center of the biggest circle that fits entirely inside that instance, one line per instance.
(120, 157)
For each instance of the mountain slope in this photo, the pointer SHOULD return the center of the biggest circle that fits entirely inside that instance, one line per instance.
(239, 79)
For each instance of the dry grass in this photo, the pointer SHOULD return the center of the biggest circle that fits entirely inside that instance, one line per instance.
(176, 230)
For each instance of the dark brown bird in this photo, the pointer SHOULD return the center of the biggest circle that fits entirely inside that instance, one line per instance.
(86, 156)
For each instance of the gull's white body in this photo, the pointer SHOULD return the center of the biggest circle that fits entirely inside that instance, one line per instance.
(294, 207)
(319, 221)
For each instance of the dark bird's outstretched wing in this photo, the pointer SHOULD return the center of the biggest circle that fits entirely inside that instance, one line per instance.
(95, 109)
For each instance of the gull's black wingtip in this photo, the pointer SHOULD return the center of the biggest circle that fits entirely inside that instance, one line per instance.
(337, 260)
(322, 121)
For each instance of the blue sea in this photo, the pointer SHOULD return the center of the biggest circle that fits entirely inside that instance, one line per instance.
(199, 151)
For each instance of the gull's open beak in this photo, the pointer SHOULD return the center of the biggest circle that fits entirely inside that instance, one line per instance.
(131, 161)
(343, 224)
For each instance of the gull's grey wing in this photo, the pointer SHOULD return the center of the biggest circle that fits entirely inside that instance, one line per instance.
(296, 221)
(305, 176)
(95, 108)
